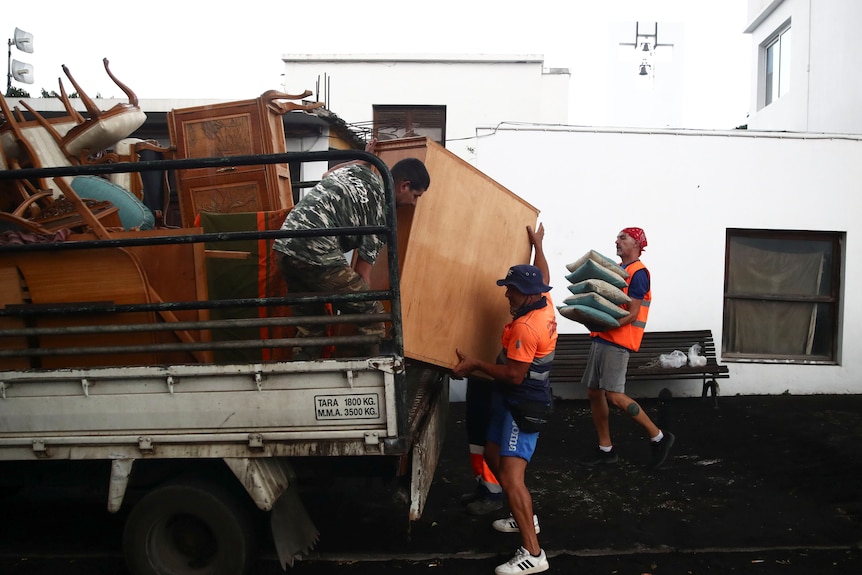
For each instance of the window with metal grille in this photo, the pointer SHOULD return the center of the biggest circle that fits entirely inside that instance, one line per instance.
(392, 122)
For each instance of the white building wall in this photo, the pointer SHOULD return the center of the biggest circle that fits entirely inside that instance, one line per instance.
(835, 59)
(685, 189)
(476, 89)
(789, 112)
(825, 82)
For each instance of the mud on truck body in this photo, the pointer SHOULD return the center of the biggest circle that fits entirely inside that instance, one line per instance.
(120, 370)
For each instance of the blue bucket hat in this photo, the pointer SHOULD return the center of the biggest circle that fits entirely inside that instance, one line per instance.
(526, 279)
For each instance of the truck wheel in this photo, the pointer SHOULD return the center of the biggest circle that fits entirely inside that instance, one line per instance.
(188, 528)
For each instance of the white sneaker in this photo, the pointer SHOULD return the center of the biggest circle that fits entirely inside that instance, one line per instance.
(509, 525)
(522, 563)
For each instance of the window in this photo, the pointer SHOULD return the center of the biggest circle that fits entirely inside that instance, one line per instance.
(781, 296)
(391, 122)
(777, 66)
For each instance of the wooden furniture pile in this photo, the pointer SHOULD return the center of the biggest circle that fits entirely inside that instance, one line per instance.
(46, 205)
(462, 236)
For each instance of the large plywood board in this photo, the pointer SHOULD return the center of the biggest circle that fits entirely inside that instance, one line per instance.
(461, 237)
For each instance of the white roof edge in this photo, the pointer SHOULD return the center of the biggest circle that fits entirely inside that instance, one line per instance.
(517, 126)
(761, 16)
(453, 58)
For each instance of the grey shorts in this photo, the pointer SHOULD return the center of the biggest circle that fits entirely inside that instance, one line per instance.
(606, 367)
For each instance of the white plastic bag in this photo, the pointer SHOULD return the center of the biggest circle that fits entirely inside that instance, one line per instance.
(676, 358)
(694, 357)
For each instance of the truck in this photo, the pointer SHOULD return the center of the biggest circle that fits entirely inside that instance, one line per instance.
(122, 370)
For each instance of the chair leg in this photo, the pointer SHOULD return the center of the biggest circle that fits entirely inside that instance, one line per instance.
(83, 210)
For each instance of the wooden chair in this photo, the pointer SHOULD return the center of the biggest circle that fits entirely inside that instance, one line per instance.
(44, 206)
(86, 138)
(102, 129)
(30, 144)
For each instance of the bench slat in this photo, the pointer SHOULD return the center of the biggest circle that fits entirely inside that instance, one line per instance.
(570, 358)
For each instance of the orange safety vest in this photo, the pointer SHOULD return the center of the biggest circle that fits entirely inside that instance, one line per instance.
(630, 335)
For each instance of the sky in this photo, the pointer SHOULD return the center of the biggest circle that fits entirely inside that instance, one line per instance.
(232, 50)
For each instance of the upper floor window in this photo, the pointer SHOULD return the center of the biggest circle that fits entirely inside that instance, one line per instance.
(391, 122)
(777, 68)
(781, 296)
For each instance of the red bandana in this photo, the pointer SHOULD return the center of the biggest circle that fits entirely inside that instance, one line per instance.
(638, 235)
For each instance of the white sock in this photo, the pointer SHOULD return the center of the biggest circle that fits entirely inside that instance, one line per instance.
(658, 437)
(606, 449)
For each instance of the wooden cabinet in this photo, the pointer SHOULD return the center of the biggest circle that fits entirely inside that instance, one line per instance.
(231, 129)
(462, 236)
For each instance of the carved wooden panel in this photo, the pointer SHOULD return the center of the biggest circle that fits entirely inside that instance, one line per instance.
(238, 128)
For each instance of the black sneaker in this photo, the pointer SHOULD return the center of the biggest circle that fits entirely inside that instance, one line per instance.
(472, 496)
(598, 457)
(661, 449)
(485, 505)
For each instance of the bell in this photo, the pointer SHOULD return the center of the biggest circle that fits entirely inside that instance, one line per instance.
(643, 71)
(646, 47)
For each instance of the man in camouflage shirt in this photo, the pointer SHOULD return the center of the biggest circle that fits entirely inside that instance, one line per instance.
(350, 195)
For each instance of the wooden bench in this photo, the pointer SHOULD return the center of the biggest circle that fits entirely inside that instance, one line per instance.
(572, 350)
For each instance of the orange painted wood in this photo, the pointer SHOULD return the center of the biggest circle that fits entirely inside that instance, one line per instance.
(11, 293)
(175, 273)
(73, 277)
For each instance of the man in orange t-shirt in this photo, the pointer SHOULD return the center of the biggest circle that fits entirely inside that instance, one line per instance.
(522, 399)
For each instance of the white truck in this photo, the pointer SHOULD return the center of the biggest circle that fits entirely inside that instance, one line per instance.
(112, 374)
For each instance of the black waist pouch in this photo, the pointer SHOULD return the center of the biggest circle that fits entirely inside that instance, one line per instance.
(531, 416)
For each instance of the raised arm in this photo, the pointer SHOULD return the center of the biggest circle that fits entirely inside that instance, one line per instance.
(536, 239)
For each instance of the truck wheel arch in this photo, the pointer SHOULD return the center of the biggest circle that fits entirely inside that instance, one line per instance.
(184, 526)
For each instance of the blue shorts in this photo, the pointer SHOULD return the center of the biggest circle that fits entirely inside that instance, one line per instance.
(503, 431)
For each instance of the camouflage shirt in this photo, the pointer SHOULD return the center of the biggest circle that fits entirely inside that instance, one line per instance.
(351, 196)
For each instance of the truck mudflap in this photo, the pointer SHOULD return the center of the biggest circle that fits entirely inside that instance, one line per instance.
(293, 531)
(270, 483)
(427, 445)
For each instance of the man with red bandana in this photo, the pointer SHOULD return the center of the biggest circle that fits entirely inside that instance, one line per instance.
(605, 372)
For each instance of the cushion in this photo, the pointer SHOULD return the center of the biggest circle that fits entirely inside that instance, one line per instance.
(594, 319)
(603, 288)
(133, 213)
(102, 133)
(596, 301)
(598, 258)
(591, 270)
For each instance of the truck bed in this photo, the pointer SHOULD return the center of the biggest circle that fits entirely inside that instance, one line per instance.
(286, 408)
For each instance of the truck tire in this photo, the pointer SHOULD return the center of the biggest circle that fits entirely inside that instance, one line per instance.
(189, 528)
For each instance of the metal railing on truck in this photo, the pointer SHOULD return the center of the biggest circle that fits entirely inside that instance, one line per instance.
(26, 312)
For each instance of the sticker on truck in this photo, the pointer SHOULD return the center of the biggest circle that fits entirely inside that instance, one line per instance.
(352, 406)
